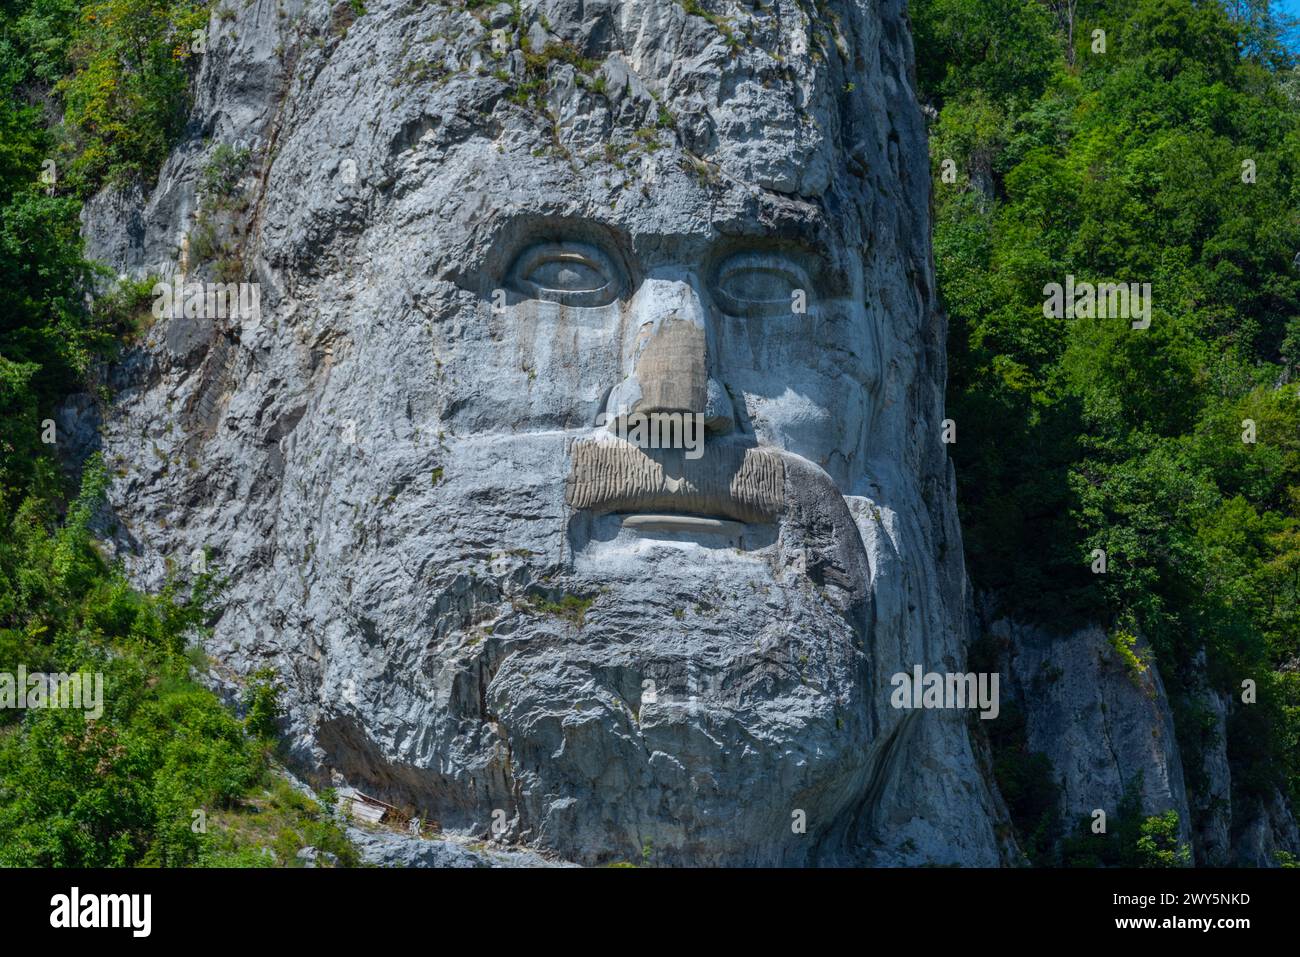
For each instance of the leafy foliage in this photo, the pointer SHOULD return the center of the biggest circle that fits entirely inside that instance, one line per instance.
(127, 90)
(1130, 165)
(120, 789)
(1130, 840)
(130, 786)
(262, 701)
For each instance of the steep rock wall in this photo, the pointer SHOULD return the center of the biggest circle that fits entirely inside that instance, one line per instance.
(378, 459)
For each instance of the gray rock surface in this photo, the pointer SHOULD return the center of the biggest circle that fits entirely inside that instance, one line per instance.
(378, 460)
(383, 848)
(1267, 834)
(1232, 828)
(1109, 730)
(1105, 725)
(1211, 793)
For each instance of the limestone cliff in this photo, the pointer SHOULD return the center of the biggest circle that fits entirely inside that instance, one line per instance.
(477, 234)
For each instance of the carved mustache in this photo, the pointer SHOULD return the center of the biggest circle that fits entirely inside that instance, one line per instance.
(746, 485)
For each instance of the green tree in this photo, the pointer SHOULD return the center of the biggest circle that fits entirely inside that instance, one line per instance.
(1173, 158)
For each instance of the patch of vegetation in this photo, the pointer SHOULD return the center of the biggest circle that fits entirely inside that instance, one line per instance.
(1130, 840)
(422, 71)
(1124, 642)
(695, 8)
(213, 242)
(647, 137)
(223, 171)
(262, 703)
(212, 245)
(142, 783)
(127, 307)
(121, 69)
(533, 88)
(556, 51)
(269, 827)
(120, 789)
(571, 608)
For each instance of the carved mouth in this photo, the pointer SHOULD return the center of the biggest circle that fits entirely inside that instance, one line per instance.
(727, 484)
(703, 524)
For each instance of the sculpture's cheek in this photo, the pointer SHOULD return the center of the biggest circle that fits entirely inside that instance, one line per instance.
(538, 366)
(820, 419)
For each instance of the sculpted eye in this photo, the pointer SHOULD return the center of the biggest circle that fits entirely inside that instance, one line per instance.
(572, 274)
(760, 284)
(567, 275)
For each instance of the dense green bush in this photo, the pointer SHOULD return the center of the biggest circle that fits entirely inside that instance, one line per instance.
(126, 93)
(1083, 434)
(138, 784)
(121, 789)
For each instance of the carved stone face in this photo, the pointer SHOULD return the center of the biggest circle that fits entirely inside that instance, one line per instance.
(494, 606)
(727, 639)
(701, 621)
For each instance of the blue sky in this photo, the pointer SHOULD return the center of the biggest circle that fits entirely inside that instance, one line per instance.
(1291, 7)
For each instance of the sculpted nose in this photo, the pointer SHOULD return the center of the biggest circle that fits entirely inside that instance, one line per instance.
(672, 370)
(671, 366)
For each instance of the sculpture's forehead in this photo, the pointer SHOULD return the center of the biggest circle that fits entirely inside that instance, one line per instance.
(631, 117)
(624, 91)
(660, 216)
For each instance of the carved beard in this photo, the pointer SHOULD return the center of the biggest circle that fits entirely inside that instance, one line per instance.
(693, 671)
(698, 663)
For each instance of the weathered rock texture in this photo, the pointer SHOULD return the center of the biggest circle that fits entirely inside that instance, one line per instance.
(386, 848)
(1107, 727)
(1104, 723)
(478, 236)
(474, 233)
